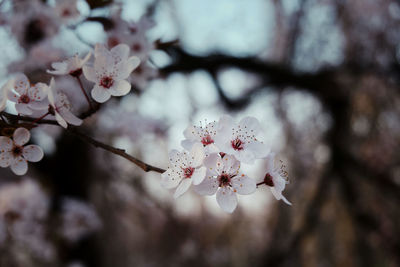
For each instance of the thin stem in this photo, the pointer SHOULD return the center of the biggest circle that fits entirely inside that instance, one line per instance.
(84, 92)
(41, 117)
(260, 184)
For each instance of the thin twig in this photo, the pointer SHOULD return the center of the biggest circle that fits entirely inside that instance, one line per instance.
(84, 92)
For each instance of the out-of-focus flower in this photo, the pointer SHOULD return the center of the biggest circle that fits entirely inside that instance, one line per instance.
(240, 139)
(60, 107)
(142, 75)
(4, 92)
(72, 66)
(204, 135)
(185, 168)
(224, 178)
(67, 10)
(27, 97)
(110, 71)
(78, 220)
(275, 178)
(13, 152)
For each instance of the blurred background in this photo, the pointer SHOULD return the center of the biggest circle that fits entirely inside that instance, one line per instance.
(323, 78)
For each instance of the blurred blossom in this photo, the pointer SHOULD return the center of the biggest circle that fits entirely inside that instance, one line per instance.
(79, 219)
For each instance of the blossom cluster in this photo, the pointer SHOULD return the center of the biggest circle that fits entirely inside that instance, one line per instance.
(212, 158)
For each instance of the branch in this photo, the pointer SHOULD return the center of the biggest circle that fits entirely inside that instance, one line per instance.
(117, 151)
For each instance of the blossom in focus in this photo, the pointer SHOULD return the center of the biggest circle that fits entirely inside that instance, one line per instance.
(185, 168)
(4, 92)
(239, 139)
(78, 220)
(275, 178)
(110, 71)
(27, 97)
(204, 135)
(224, 179)
(60, 107)
(72, 66)
(13, 152)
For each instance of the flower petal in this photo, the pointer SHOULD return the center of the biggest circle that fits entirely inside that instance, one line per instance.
(226, 199)
(258, 149)
(243, 184)
(214, 164)
(6, 144)
(126, 67)
(170, 178)
(13, 97)
(279, 196)
(32, 153)
(208, 187)
(23, 109)
(182, 187)
(38, 92)
(251, 124)
(21, 84)
(19, 166)
(231, 164)
(120, 52)
(120, 88)
(61, 120)
(6, 158)
(69, 117)
(21, 136)
(90, 73)
(5, 89)
(199, 175)
(100, 94)
(197, 155)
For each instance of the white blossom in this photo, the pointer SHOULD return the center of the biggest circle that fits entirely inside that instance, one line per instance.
(72, 66)
(13, 152)
(28, 98)
(275, 178)
(67, 10)
(224, 179)
(185, 168)
(204, 135)
(4, 92)
(60, 107)
(110, 71)
(240, 139)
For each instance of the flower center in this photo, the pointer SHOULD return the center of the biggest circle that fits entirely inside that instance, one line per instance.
(76, 73)
(188, 172)
(136, 47)
(24, 99)
(237, 144)
(224, 180)
(106, 82)
(268, 180)
(113, 41)
(17, 150)
(207, 140)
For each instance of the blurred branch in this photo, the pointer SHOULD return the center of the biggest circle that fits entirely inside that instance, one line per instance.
(117, 151)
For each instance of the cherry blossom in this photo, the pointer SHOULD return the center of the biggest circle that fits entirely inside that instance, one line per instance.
(72, 66)
(185, 168)
(60, 107)
(4, 92)
(239, 139)
(275, 178)
(110, 71)
(13, 152)
(67, 10)
(27, 97)
(204, 135)
(224, 179)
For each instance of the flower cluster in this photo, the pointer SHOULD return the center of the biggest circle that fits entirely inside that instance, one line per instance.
(212, 158)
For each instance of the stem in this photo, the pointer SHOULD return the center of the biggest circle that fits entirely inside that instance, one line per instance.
(41, 117)
(84, 92)
(261, 183)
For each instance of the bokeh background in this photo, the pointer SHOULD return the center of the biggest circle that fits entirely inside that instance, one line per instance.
(323, 78)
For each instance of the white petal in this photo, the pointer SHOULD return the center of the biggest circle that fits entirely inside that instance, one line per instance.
(21, 84)
(170, 178)
(100, 94)
(19, 166)
(86, 58)
(279, 182)
(175, 157)
(183, 187)
(226, 199)
(61, 120)
(6, 158)
(120, 88)
(208, 187)
(12, 96)
(90, 73)
(197, 155)
(258, 149)
(6, 144)
(69, 117)
(32, 153)
(245, 156)
(23, 109)
(251, 124)
(231, 164)
(120, 52)
(244, 185)
(38, 92)
(279, 196)
(214, 164)
(4, 91)
(187, 144)
(125, 68)
(21, 136)
(100, 51)
(199, 175)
